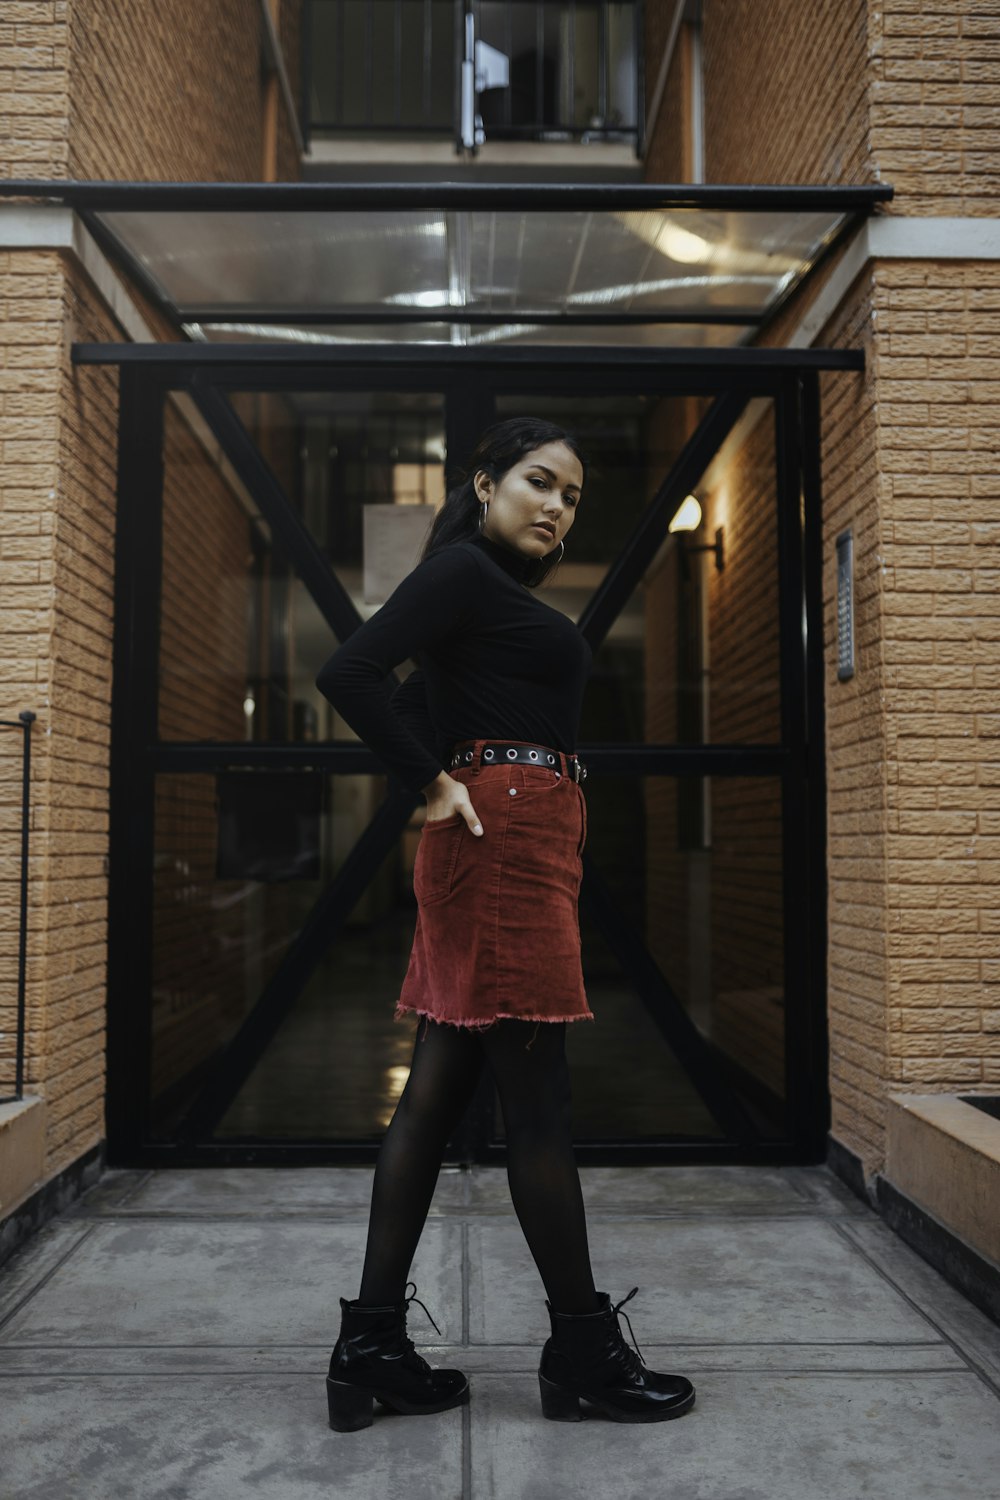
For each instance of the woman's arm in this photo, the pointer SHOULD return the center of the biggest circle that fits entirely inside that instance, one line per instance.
(435, 599)
(409, 703)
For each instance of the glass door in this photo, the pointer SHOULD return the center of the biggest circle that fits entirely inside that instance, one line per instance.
(262, 903)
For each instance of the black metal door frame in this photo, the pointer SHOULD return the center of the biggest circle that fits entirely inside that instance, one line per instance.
(137, 756)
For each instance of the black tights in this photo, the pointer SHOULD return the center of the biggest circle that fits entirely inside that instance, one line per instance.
(528, 1065)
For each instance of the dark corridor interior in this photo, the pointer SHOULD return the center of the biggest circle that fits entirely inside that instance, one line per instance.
(683, 918)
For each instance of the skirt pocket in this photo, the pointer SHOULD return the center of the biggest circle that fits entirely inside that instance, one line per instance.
(437, 858)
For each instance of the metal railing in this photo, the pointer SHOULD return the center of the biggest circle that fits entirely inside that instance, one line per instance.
(476, 70)
(23, 722)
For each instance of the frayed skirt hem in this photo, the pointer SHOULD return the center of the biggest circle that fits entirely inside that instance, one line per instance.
(477, 1025)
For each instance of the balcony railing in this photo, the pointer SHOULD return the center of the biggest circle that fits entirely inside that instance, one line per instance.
(475, 70)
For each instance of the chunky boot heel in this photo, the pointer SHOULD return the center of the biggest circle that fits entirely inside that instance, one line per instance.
(559, 1405)
(587, 1359)
(350, 1407)
(374, 1360)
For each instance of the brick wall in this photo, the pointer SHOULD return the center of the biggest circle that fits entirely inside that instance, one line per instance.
(56, 528)
(30, 374)
(856, 767)
(934, 97)
(34, 88)
(115, 89)
(904, 91)
(165, 91)
(938, 436)
(786, 89)
(900, 91)
(666, 154)
(102, 89)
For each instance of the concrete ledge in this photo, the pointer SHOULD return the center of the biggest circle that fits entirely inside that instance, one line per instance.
(944, 1155)
(53, 1197)
(22, 1151)
(975, 1275)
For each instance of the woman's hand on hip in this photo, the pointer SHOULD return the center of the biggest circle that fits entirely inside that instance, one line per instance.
(446, 796)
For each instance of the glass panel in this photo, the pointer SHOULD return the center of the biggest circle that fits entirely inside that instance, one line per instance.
(238, 868)
(412, 71)
(241, 638)
(240, 860)
(693, 864)
(228, 896)
(559, 57)
(225, 267)
(339, 1061)
(692, 656)
(709, 913)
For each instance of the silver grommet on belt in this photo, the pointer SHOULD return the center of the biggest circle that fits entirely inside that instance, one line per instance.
(552, 760)
(512, 755)
(532, 754)
(468, 754)
(487, 755)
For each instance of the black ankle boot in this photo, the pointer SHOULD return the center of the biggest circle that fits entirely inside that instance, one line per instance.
(588, 1357)
(374, 1360)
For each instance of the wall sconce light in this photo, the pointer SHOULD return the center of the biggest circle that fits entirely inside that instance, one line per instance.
(687, 517)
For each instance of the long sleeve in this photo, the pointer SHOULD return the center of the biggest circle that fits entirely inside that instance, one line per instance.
(428, 605)
(409, 703)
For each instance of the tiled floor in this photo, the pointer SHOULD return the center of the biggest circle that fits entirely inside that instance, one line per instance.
(169, 1338)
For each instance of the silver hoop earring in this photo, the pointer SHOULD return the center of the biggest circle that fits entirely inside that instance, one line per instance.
(484, 506)
(562, 550)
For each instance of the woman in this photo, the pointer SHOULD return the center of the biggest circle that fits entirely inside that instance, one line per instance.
(494, 972)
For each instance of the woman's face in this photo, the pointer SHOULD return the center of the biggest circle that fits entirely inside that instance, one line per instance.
(543, 486)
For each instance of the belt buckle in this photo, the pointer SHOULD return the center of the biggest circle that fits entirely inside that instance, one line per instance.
(579, 769)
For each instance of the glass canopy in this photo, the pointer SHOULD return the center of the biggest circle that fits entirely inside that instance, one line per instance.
(652, 276)
(466, 263)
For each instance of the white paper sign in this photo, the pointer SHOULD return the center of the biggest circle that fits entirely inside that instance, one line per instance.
(393, 537)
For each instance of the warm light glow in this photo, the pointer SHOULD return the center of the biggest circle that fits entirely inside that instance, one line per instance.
(681, 245)
(395, 1079)
(249, 705)
(688, 517)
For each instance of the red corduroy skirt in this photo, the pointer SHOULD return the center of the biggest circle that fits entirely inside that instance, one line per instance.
(498, 932)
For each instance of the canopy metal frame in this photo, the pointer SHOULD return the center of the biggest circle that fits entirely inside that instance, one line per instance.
(139, 756)
(92, 199)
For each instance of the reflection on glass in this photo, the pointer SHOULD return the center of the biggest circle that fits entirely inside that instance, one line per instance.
(396, 74)
(240, 860)
(710, 918)
(228, 897)
(518, 330)
(248, 268)
(692, 656)
(241, 638)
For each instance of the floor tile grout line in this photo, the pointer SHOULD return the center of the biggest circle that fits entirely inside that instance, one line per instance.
(988, 1380)
(797, 1188)
(144, 1178)
(467, 1409)
(241, 1373)
(84, 1235)
(359, 1216)
(456, 1349)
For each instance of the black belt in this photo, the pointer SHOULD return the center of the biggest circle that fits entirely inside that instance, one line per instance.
(496, 752)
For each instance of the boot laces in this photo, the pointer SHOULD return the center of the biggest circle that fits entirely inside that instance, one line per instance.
(415, 1298)
(405, 1343)
(624, 1352)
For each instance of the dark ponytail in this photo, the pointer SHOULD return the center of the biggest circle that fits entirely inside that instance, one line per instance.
(499, 448)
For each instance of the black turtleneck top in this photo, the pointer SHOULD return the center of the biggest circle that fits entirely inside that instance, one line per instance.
(494, 661)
